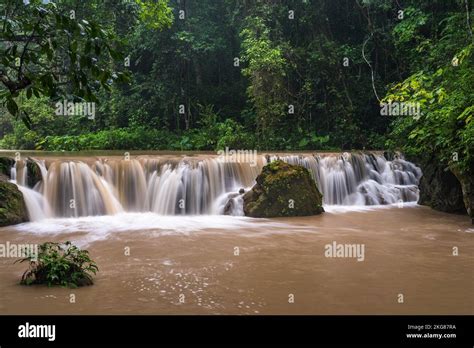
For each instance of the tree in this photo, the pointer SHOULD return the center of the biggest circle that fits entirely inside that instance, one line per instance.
(266, 71)
(50, 50)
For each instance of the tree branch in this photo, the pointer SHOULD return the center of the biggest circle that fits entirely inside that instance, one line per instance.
(468, 19)
(371, 69)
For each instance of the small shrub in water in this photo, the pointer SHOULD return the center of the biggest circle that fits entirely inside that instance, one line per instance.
(61, 264)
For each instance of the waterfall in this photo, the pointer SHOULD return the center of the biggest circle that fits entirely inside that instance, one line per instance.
(361, 179)
(201, 185)
(36, 204)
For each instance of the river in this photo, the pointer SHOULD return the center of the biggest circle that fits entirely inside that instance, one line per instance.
(154, 260)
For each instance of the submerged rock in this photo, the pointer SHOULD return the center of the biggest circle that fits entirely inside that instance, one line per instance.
(283, 189)
(12, 205)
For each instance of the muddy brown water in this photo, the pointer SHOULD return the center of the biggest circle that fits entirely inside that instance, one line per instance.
(230, 265)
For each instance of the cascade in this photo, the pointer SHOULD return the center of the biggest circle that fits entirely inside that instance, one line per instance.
(202, 185)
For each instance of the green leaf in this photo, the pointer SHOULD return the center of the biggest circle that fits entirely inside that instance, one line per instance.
(303, 142)
(12, 107)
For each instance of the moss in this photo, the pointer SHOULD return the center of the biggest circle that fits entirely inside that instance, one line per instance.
(283, 189)
(12, 206)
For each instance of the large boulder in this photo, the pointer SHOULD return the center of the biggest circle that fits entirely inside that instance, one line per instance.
(12, 205)
(283, 189)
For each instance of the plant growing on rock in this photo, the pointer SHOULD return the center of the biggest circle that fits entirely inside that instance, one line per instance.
(61, 264)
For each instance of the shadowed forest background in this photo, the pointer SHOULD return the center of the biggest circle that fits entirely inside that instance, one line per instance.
(268, 75)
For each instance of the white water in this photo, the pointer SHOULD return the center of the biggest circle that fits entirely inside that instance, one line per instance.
(135, 222)
(96, 228)
(202, 186)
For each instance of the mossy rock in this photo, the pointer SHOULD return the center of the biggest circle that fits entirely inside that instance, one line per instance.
(12, 205)
(283, 189)
(6, 164)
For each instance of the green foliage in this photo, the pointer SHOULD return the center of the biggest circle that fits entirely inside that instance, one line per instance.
(313, 141)
(220, 135)
(215, 135)
(266, 71)
(407, 29)
(44, 45)
(43, 123)
(312, 62)
(114, 139)
(441, 83)
(61, 264)
(155, 14)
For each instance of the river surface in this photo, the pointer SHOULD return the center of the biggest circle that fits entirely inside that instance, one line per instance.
(236, 265)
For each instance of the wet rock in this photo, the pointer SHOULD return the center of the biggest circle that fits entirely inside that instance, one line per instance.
(12, 205)
(467, 187)
(6, 164)
(391, 155)
(440, 189)
(230, 205)
(283, 189)
(33, 173)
